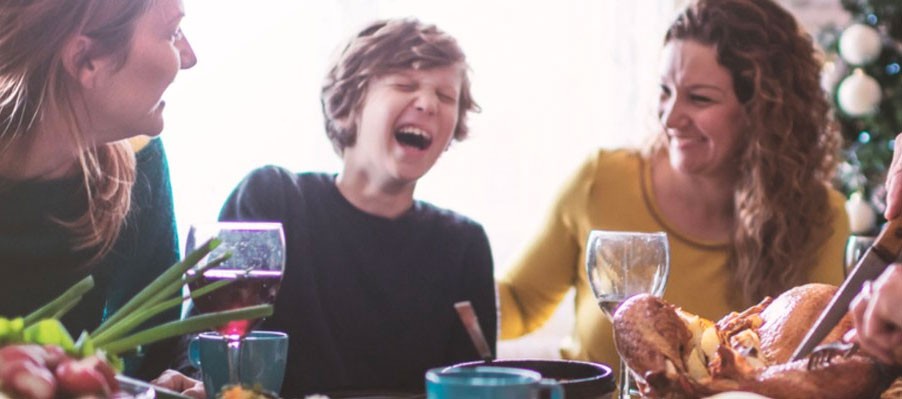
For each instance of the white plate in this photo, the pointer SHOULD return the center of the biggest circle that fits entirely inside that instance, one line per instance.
(144, 390)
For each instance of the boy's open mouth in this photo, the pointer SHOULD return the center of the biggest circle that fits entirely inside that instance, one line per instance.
(413, 137)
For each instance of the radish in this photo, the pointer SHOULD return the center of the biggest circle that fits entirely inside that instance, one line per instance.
(53, 356)
(31, 353)
(90, 375)
(26, 379)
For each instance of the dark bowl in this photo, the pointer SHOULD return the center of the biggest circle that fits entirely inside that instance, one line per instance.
(580, 380)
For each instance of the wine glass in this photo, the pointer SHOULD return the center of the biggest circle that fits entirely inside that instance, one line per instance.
(254, 270)
(856, 246)
(621, 264)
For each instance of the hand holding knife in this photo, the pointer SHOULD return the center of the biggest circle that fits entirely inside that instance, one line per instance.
(886, 250)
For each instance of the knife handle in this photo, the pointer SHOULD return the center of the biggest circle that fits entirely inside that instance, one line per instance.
(889, 243)
(471, 324)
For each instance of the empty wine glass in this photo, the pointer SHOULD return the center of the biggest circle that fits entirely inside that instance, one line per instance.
(254, 269)
(621, 264)
(856, 246)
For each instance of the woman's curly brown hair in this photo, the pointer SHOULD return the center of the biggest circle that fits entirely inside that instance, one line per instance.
(790, 150)
(380, 48)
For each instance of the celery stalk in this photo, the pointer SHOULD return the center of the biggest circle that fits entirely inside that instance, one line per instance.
(185, 326)
(67, 299)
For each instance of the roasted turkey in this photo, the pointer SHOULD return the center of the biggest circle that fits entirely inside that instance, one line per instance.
(675, 354)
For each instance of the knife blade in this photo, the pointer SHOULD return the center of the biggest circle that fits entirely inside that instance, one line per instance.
(885, 250)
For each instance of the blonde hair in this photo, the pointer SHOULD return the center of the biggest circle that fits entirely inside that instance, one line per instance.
(790, 151)
(33, 80)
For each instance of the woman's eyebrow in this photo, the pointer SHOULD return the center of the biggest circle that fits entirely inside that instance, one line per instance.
(175, 18)
(706, 86)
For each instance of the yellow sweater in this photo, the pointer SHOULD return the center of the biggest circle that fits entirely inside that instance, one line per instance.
(612, 191)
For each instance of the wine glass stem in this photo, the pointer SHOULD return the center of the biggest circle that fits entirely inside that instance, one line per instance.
(624, 381)
(234, 351)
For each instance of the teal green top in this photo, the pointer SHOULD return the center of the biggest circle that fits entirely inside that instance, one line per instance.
(37, 264)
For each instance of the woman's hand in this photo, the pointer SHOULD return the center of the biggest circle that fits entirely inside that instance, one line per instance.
(894, 183)
(877, 314)
(173, 380)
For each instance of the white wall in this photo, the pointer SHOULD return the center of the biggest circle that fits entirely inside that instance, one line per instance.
(556, 80)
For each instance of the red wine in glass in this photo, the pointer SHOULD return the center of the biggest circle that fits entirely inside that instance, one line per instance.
(251, 255)
(249, 288)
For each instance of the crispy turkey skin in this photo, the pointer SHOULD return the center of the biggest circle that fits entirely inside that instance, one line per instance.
(661, 344)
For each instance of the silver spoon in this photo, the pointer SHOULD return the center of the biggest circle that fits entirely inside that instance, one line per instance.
(471, 323)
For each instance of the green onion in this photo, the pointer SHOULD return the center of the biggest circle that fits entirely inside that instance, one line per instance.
(186, 326)
(167, 279)
(157, 297)
(84, 346)
(64, 302)
(135, 319)
(169, 293)
(65, 309)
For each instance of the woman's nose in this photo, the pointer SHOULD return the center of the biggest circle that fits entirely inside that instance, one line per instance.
(672, 115)
(186, 53)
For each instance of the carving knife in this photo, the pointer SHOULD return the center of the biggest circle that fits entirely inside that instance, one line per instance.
(885, 250)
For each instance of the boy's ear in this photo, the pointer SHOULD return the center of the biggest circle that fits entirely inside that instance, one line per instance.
(79, 63)
(346, 123)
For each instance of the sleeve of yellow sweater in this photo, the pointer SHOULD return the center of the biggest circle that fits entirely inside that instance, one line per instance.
(538, 280)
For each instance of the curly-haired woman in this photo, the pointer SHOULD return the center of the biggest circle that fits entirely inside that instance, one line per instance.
(738, 178)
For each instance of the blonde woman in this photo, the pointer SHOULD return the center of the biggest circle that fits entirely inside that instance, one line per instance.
(77, 79)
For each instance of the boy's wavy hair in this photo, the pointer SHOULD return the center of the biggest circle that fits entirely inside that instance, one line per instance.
(380, 48)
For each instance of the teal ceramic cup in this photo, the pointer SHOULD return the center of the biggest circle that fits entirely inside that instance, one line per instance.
(262, 360)
(489, 382)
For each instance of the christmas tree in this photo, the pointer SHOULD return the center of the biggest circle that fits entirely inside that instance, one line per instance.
(863, 75)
